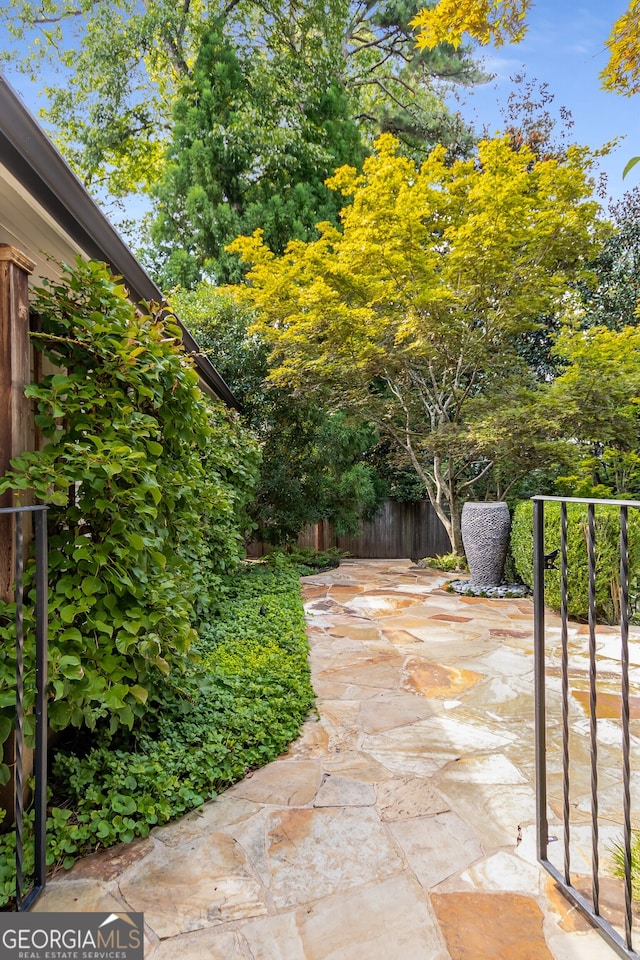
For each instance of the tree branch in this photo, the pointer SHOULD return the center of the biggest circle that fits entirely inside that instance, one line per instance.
(469, 483)
(39, 20)
(186, 6)
(175, 56)
(364, 45)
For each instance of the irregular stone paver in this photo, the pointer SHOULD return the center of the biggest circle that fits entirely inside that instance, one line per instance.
(343, 593)
(401, 822)
(313, 853)
(608, 705)
(357, 629)
(337, 791)
(211, 944)
(380, 606)
(495, 811)
(455, 734)
(451, 618)
(85, 896)
(482, 926)
(406, 751)
(180, 889)
(572, 918)
(492, 768)
(409, 797)
(503, 871)
(209, 818)
(274, 938)
(376, 922)
(400, 638)
(312, 743)
(357, 765)
(382, 671)
(340, 719)
(437, 847)
(281, 783)
(433, 680)
(110, 863)
(391, 709)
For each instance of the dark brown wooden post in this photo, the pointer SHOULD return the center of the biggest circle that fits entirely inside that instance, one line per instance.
(15, 374)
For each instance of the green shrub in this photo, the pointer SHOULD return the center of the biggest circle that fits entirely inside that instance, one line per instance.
(617, 852)
(607, 553)
(305, 559)
(449, 562)
(240, 707)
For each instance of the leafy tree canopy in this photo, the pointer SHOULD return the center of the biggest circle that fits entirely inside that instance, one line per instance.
(598, 399)
(314, 460)
(411, 314)
(122, 64)
(500, 21)
(613, 299)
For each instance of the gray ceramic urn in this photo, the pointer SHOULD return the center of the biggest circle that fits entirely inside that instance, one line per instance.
(485, 537)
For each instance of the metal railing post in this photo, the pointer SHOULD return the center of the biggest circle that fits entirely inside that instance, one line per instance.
(40, 756)
(624, 691)
(539, 686)
(18, 796)
(593, 710)
(564, 636)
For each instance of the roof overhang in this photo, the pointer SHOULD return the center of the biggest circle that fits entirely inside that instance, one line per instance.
(46, 212)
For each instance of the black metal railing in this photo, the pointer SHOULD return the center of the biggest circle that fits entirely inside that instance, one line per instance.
(620, 939)
(25, 898)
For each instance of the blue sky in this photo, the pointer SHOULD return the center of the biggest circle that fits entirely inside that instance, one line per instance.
(565, 47)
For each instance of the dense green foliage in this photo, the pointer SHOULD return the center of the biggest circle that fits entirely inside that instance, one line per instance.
(596, 406)
(119, 66)
(305, 559)
(315, 461)
(244, 698)
(147, 483)
(607, 555)
(449, 562)
(243, 157)
(612, 301)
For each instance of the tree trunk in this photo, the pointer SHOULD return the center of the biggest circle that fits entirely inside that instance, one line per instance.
(456, 532)
(450, 522)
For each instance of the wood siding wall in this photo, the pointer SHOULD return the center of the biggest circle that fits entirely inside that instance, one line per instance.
(16, 420)
(398, 530)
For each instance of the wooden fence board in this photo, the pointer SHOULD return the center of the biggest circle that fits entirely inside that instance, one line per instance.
(398, 530)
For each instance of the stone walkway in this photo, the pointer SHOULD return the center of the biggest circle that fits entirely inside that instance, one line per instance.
(400, 823)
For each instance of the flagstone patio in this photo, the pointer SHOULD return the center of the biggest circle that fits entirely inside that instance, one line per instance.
(402, 821)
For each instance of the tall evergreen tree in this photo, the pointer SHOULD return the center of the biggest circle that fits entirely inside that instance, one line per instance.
(399, 89)
(247, 153)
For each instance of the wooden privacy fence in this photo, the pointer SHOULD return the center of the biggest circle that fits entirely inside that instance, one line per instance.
(397, 530)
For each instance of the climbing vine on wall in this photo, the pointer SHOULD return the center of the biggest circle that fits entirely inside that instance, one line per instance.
(147, 481)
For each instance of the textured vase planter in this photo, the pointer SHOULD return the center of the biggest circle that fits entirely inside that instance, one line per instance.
(485, 537)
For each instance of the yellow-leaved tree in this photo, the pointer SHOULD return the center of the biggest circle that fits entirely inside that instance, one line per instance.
(413, 313)
(500, 21)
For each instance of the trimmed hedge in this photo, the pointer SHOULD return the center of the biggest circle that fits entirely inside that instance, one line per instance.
(607, 552)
